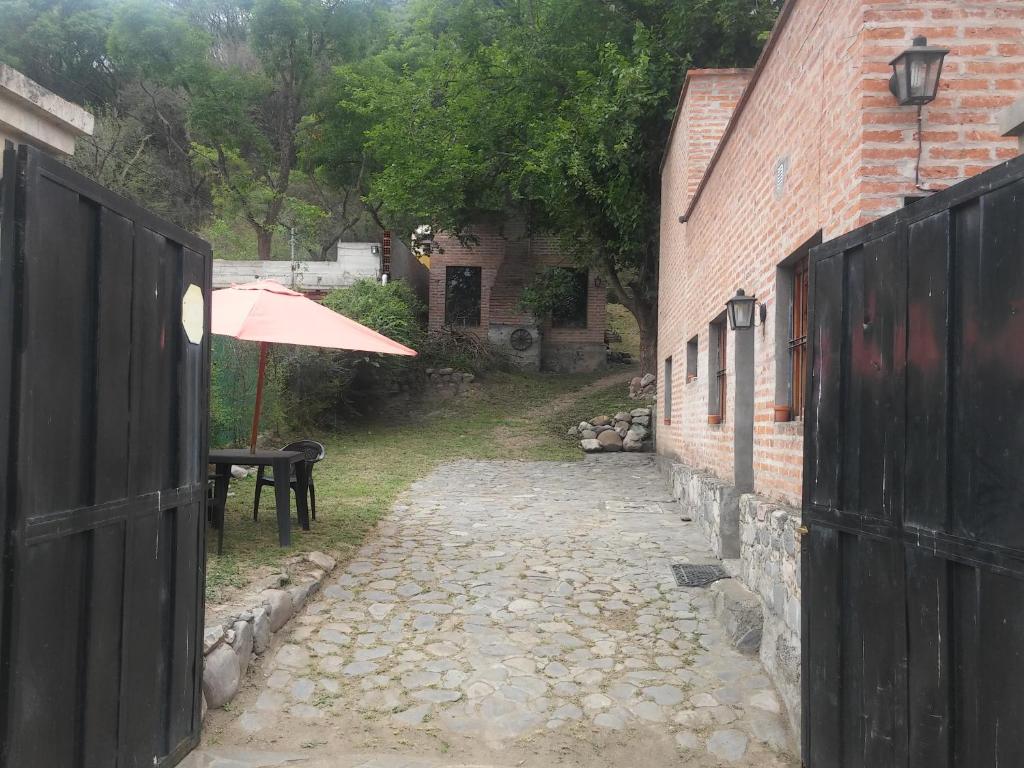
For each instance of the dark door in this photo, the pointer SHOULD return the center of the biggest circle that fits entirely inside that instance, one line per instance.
(103, 400)
(913, 566)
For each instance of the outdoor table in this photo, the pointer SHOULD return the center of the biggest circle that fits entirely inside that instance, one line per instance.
(281, 463)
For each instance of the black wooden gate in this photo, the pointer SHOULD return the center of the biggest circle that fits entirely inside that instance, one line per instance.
(103, 402)
(913, 567)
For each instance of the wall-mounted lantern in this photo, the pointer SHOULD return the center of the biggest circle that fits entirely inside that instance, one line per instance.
(916, 72)
(741, 311)
(375, 250)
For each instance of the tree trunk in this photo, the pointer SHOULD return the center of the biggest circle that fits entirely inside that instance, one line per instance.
(264, 239)
(646, 314)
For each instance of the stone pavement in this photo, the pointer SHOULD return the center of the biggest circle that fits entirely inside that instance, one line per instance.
(511, 614)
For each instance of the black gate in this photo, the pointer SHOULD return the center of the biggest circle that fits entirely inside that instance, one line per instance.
(103, 402)
(913, 566)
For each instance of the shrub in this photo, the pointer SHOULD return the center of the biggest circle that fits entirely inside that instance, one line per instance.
(451, 348)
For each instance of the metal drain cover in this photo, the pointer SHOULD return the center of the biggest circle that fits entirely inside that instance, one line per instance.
(698, 575)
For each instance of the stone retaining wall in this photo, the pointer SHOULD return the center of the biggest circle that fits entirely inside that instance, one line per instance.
(770, 567)
(712, 503)
(761, 539)
(230, 642)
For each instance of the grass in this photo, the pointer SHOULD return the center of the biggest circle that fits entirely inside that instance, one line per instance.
(621, 320)
(513, 416)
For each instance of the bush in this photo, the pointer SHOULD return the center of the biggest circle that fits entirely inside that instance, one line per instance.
(325, 386)
(451, 348)
(233, 368)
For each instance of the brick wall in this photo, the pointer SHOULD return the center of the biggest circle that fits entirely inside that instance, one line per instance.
(820, 107)
(508, 257)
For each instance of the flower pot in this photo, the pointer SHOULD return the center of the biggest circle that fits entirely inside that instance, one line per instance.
(782, 412)
(714, 419)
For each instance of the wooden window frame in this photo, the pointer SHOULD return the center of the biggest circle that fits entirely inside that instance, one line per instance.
(798, 337)
(722, 363)
(666, 389)
(692, 359)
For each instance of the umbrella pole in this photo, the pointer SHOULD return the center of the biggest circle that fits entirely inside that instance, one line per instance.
(259, 396)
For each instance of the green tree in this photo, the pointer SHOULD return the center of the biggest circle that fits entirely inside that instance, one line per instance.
(554, 110)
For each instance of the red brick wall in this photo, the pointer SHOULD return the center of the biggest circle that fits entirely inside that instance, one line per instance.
(821, 102)
(507, 259)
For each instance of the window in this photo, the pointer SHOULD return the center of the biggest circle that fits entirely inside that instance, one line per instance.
(691, 360)
(798, 338)
(666, 390)
(572, 314)
(717, 386)
(462, 296)
(792, 299)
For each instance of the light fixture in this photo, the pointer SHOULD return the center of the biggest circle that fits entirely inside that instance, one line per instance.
(741, 311)
(375, 250)
(916, 72)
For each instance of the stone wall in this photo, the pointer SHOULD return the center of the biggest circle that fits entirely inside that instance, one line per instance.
(233, 638)
(770, 567)
(760, 540)
(712, 503)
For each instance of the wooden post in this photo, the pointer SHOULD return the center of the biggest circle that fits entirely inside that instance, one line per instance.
(259, 396)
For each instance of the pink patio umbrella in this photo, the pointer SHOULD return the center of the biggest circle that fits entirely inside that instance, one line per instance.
(267, 312)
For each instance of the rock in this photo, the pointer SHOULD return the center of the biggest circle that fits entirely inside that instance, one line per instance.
(325, 562)
(588, 434)
(584, 425)
(728, 745)
(602, 428)
(446, 371)
(468, 378)
(634, 383)
(212, 637)
(572, 432)
(591, 446)
(260, 630)
(280, 603)
(640, 412)
(610, 441)
(298, 595)
(221, 676)
(239, 473)
(601, 421)
(621, 428)
(622, 416)
(643, 421)
(648, 378)
(243, 644)
(639, 431)
(631, 443)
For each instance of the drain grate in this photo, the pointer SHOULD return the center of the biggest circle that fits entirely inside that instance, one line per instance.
(698, 575)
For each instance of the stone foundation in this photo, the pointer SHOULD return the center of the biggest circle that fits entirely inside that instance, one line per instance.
(579, 357)
(762, 535)
(711, 503)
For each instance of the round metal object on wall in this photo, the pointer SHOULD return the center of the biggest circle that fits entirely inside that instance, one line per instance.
(521, 339)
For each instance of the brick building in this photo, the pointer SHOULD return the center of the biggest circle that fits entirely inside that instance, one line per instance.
(476, 286)
(761, 165)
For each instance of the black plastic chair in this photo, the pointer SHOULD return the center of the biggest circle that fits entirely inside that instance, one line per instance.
(314, 452)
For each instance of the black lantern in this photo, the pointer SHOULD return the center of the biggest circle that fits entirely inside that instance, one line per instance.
(741, 311)
(915, 73)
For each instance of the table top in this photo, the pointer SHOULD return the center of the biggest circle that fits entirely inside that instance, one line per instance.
(244, 456)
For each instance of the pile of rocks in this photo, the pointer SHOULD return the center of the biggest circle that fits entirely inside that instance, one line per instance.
(643, 388)
(448, 382)
(621, 432)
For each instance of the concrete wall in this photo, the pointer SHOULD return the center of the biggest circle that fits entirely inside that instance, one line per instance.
(355, 261)
(31, 114)
(405, 266)
(816, 144)
(509, 257)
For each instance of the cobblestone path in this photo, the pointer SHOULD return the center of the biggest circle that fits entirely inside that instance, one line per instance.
(511, 614)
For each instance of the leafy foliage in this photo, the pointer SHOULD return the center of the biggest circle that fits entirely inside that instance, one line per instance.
(550, 291)
(553, 110)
